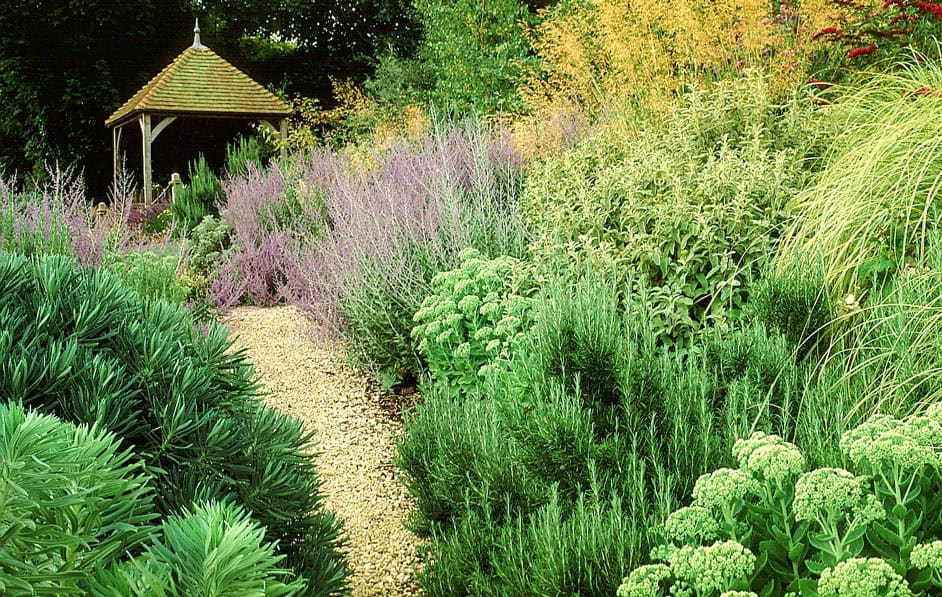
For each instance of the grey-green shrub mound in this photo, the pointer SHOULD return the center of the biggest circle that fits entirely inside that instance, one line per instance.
(687, 207)
(76, 343)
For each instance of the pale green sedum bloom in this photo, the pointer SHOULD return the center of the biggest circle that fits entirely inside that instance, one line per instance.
(863, 577)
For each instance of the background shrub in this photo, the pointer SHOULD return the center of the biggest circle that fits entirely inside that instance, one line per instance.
(474, 53)
(198, 199)
(602, 56)
(692, 206)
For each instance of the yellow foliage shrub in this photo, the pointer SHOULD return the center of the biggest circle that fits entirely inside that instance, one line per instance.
(355, 118)
(600, 54)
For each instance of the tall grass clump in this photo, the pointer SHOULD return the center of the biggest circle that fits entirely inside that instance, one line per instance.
(888, 349)
(874, 206)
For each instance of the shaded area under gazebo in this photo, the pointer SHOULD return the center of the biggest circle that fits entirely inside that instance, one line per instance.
(198, 83)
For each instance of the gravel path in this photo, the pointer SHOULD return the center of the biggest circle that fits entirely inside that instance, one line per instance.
(355, 440)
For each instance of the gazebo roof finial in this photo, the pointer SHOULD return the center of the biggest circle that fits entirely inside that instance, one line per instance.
(196, 37)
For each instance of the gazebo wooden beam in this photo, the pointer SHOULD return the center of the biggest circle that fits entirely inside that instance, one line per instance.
(149, 134)
(281, 130)
(116, 149)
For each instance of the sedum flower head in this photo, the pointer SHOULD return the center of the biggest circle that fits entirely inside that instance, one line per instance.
(490, 309)
(862, 577)
(692, 525)
(507, 326)
(464, 287)
(644, 581)
(722, 487)
(469, 305)
(934, 412)
(832, 494)
(463, 350)
(738, 594)
(883, 441)
(719, 567)
(928, 555)
(769, 457)
(469, 254)
(483, 333)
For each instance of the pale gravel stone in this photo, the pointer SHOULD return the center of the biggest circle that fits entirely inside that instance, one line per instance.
(355, 440)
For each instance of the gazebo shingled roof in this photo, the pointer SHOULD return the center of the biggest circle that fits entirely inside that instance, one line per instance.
(198, 83)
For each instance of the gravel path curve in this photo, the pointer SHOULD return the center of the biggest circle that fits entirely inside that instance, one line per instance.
(355, 440)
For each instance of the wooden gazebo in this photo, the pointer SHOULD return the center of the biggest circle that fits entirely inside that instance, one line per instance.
(198, 83)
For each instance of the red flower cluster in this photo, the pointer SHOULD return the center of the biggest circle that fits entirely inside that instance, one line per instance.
(929, 7)
(890, 3)
(861, 51)
(827, 31)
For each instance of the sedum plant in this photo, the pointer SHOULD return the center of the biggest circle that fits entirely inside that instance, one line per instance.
(871, 529)
(473, 321)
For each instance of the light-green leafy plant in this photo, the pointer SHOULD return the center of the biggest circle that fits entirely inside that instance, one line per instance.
(149, 274)
(870, 530)
(474, 320)
(687, 208)
(71, 500)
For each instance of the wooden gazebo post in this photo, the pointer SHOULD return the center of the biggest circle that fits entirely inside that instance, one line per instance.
(198, 83)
